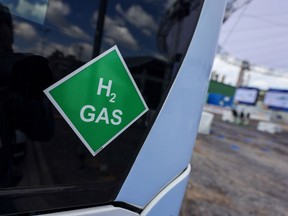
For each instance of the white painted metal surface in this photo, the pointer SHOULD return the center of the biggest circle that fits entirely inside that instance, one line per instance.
(205, 123)
(169, 200)
(168, 148)
(97, 211)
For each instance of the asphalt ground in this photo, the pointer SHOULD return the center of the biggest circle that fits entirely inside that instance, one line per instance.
(237, 170)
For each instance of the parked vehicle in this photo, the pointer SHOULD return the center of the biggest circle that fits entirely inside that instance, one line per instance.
(168, 47)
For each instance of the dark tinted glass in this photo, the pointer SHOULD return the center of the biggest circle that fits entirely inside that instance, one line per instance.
(43, 164)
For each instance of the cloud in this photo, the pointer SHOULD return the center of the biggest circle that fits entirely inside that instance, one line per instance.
(231, 72)
(115, 32)
(35, 12)
(32, 11)
(147, 32)
(57, 13)
(122, 36)
(87, 50)
(265, 82)
(25, 30)
(169, 3)
(76, 31)
(139, 18)
(258, 80)
(109, 22)
(261, 84)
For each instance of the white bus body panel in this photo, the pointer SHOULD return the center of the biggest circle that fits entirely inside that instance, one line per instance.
(96, 211)
(168, 148)
(156, 183)
(169, 200)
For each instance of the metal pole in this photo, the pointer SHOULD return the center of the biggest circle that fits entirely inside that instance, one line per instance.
(245, 66)
(99, 28)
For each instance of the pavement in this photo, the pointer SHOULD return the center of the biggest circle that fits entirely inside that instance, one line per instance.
(237, 170)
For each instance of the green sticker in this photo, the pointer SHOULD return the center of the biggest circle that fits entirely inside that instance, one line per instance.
(99, 100)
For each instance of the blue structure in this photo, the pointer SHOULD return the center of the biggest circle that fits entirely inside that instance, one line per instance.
(220, 99)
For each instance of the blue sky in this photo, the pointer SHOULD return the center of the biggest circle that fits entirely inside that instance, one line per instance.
(257, 33)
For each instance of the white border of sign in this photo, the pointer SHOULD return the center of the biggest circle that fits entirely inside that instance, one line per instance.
(47, 92)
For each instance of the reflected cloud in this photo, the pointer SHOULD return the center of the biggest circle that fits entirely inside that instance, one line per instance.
(25, 30)
(122, 36)
(77, 32)
(139, 18)
(31, 10)
(116, 33)
(36, 10)
(169, 3)
(57, 13)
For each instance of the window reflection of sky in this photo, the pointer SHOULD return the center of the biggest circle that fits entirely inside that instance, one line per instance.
(69, 26)
(33, 10)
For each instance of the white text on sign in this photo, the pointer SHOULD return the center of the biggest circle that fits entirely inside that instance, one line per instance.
(108, 90)
(89, 113)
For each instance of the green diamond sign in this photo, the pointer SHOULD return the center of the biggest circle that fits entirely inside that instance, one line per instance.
(99, 100)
